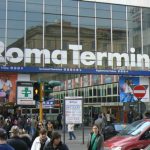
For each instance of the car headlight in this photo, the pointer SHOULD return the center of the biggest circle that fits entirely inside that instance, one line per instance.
(116, 148)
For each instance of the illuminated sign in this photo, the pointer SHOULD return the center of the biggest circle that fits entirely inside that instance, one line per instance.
(25, 93)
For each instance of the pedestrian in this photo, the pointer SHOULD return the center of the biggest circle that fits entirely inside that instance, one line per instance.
(3, 141)
(15, 141)
(38, 127)
(50, 129)
(41, 141)
(28, 125)
(26, 138)
(7, 126)
(147, 115)
(108, 118)
(71, 131)
(100, 122)
(59, 120)
(95, 139)
(130, 115)
(56, 143)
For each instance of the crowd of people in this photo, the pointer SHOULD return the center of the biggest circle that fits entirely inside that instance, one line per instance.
(24, 133)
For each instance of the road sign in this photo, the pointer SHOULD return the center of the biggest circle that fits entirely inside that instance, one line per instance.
(139, 91)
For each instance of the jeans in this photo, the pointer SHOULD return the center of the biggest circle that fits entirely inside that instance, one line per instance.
(71, 135)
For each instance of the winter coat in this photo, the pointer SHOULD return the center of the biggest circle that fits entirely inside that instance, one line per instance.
(70, 127)
(37, 144)
(17, 143)
(99, 141)
(61, 146)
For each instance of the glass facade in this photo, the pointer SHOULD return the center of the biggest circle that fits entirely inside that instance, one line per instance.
(53, 25)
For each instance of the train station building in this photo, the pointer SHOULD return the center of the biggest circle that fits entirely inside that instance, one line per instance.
(96, 48)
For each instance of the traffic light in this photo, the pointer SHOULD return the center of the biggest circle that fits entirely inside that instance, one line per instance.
(47, 90)
(36, 91)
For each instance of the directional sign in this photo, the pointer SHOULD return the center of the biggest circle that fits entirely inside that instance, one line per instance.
(139, 91)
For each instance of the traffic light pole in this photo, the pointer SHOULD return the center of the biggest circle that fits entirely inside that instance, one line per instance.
(41, 102)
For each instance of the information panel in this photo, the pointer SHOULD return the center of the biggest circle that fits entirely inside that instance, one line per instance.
(73, 110)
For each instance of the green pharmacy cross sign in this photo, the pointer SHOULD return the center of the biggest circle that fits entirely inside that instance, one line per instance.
(26, 91)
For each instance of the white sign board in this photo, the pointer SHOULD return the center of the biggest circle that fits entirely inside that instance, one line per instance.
(140, 3)
(25, 95)
(73, 110)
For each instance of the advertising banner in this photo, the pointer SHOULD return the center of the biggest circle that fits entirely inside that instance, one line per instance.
(126, 86)
(73, 110)
(8, 87)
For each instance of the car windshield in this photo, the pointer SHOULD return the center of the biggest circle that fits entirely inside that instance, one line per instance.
(135, 128)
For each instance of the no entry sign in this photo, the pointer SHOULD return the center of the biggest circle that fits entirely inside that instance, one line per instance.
(139, 91)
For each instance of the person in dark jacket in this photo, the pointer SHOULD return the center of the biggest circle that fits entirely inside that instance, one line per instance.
(56, 143)
(50, 129)
(26, 138)
(3, 140)
(15, 141)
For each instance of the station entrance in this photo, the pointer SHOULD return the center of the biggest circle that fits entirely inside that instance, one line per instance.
(100, 92)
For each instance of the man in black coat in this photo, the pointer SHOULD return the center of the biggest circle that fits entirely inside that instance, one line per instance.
(15, 141)
(56, 143)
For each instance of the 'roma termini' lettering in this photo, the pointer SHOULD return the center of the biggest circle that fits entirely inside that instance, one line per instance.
(87, 58)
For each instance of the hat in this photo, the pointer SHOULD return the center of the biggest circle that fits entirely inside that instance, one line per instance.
(14, 130)
(3, 134)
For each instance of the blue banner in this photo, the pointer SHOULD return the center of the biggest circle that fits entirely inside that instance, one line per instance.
(73, 71)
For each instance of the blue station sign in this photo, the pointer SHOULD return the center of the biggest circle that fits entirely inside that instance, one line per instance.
(73, 71)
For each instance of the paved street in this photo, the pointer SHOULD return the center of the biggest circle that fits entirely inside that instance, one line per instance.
(78, 143)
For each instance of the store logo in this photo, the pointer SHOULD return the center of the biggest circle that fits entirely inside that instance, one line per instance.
(87, 58)
(26, 92)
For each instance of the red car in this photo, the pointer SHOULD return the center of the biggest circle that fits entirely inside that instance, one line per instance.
(135, 136)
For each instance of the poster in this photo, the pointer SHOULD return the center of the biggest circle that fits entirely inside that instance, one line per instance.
(8, 87)
(126, 85)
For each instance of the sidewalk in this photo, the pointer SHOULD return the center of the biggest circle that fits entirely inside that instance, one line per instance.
(78, 143)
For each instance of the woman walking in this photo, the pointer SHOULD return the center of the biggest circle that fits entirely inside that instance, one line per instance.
(95, 139)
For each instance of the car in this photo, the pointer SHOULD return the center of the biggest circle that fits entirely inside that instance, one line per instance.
(147, 148)
(134, 136)
(112, 130)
